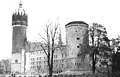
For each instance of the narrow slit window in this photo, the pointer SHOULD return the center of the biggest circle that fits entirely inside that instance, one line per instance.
(77, 46)
(78, 38)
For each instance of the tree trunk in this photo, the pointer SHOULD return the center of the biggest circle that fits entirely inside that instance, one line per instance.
(93, 63)
(50, 71)
(113, 65)
(108, 71)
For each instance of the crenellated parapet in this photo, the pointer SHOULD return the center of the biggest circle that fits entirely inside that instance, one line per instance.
(20, 18)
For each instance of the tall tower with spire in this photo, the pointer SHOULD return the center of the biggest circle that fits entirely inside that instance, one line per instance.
(19, 25)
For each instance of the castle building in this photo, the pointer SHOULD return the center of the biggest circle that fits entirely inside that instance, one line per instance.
(19, 25)
(68, 57)
(76, 41)
(29, 57)
(38, 59)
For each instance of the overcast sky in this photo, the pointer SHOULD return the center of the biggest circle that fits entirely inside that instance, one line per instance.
(104, 12)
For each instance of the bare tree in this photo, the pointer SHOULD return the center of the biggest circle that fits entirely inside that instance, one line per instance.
(49, 46)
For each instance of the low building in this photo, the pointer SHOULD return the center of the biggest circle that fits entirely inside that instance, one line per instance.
(38, 60)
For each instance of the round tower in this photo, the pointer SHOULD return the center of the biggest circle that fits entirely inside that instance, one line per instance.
(19, 25)
(76, 40)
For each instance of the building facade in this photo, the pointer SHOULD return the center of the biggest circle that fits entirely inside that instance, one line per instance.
(38, 59)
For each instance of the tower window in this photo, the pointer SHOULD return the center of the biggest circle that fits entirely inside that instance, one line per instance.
(77, 46)
(16, 61)
(78, 38)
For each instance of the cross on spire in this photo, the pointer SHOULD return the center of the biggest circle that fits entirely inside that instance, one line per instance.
(20, 4)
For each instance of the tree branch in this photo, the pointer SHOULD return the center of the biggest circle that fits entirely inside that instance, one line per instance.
(44, 49)
(43, 38)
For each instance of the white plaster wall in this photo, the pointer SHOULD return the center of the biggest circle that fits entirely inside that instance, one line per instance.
(23, 61)
(16, 66)
(27, 66)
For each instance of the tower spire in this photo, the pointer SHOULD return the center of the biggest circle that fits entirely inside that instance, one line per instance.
(20, 4)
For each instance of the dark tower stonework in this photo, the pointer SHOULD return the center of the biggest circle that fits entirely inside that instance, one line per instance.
(19, 24)
(19, 38)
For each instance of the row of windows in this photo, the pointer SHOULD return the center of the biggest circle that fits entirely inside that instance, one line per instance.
(37, 52)
(38, 67)
(55, 61)
(32, 63)
(38, 58)
(62, 60)
(78, 64)
(55, 56)
(58, 71)
(45, 66)
(45, 62)
(39, 62)
(32, 59)
(33, 67)
(58, 65)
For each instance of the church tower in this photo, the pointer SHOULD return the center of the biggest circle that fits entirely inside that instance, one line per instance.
(19, 26)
